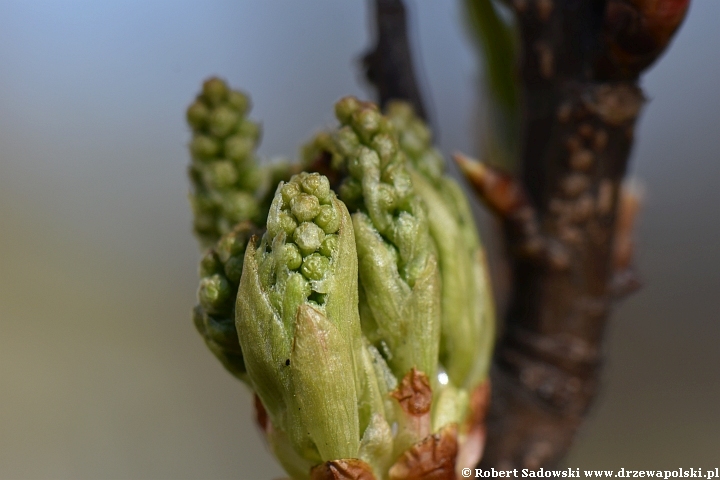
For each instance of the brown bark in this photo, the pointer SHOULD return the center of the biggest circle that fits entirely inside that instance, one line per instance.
(580, 63)
(581, 101)
(389, 65)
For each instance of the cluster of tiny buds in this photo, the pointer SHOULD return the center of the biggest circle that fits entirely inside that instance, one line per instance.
(220, 271)
(309, 221)
(218, 113)
(368, 140)
(415, 140)
(224, 172)
(223, 139)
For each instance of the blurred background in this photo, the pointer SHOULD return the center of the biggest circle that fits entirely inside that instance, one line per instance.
(102, 374)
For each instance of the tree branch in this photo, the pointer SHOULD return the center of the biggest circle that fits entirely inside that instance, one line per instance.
(580, 64)
(389, 66)
(579, 75)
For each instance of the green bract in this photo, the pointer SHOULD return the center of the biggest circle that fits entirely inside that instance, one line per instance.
(299, 327)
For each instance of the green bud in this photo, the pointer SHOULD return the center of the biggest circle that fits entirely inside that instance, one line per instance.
(233, 269)
(366, 123)
(351, 191)
(287, 223)
(292, 257)
(219, 330)
(308, 237)
(209, 264)
(197, 115)
(220, 175)
(232, 245)
(420, 131)
(288, 192)
(215, 91)
(329, 245)
(223, 120)
(386, 197)
(249, 129)
(305, 207)
(396, 174)
(250, 178)
(203, 147)
(385, 146)
(238, 148)
(239, 206)
(315, 266)
(400, 113)
(347, 141)
(221, 338)
(214, 294)
(317, 186)
(346, 108)
(328, 219)
(239, 102)
(300, 332)
(365, 160)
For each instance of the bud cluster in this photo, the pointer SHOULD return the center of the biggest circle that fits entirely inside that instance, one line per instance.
(214, 315)
(468, 312)
(298, 325)
(355, 318)
(415, 139)
(399, 278)
(305, 220)
(227, 182)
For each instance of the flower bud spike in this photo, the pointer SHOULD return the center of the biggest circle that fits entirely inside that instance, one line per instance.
(467, 303)
(229, 186)
(220, 271)
(299, 325)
